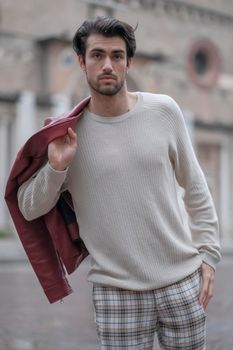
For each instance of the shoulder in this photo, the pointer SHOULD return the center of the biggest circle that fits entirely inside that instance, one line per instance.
(163, 106)
(160, 102)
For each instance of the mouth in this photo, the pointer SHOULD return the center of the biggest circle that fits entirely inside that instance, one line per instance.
(107, 77)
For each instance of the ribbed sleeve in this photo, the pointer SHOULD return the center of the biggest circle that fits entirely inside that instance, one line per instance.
(198, 201)
(39, 194)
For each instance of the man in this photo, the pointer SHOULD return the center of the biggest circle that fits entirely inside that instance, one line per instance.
(121, 164)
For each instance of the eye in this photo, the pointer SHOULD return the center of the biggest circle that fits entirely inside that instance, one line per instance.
(96, 55)
(118, 56)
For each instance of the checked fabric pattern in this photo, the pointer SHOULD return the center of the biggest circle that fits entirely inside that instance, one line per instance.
(130, 319)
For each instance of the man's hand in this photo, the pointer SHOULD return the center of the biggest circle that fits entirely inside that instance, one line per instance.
(61, 151)
(207, 286)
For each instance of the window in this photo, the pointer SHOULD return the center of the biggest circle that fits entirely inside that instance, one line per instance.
(204, 63)
(67, 58)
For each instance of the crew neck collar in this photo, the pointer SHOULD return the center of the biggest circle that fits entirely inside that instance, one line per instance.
(114, 119)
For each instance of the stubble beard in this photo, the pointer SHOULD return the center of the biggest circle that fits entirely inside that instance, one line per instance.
(106, 90)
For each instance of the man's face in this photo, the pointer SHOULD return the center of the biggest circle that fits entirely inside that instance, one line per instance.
(105, 64)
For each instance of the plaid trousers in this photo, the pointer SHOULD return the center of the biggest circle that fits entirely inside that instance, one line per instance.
(128, 319)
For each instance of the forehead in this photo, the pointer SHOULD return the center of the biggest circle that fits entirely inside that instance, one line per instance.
(98, 41)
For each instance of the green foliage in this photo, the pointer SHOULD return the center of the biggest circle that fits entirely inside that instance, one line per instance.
(5, 233)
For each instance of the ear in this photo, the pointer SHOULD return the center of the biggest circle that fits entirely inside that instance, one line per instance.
(81, 62)
(129, 61)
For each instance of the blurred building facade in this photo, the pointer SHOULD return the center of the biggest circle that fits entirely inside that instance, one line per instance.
(184, 49)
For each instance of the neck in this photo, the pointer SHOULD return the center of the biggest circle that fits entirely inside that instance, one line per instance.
(111, 106)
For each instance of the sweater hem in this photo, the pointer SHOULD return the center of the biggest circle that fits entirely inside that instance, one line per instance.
(137, 285)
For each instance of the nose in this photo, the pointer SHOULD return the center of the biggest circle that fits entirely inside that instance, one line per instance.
(107, 66)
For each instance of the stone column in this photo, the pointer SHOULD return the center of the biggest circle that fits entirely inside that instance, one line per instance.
(226, 171)
(61, 104)
(25, 122)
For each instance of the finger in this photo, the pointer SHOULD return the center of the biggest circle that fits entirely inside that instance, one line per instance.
(71, 136)
(71, 133)
(207, 288)
(204, 290)
(210, 293)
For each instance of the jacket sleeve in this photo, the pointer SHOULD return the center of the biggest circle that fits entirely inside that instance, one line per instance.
(40, 193)
(198, 202)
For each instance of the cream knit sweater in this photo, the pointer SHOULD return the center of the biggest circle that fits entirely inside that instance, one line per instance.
(123, 181)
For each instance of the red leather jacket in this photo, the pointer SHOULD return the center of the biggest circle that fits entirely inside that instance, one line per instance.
(52, 241)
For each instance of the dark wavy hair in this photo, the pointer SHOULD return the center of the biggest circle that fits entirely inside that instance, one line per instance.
(108, 27)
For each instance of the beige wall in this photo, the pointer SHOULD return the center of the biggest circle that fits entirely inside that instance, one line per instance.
(170, 32)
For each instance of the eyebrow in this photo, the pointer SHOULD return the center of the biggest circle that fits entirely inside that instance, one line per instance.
(97, 49)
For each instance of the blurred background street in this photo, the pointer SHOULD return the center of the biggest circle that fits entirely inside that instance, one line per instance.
(185, 50)
(29, 322)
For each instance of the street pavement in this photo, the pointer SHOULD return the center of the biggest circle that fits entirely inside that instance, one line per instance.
(29, 322)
